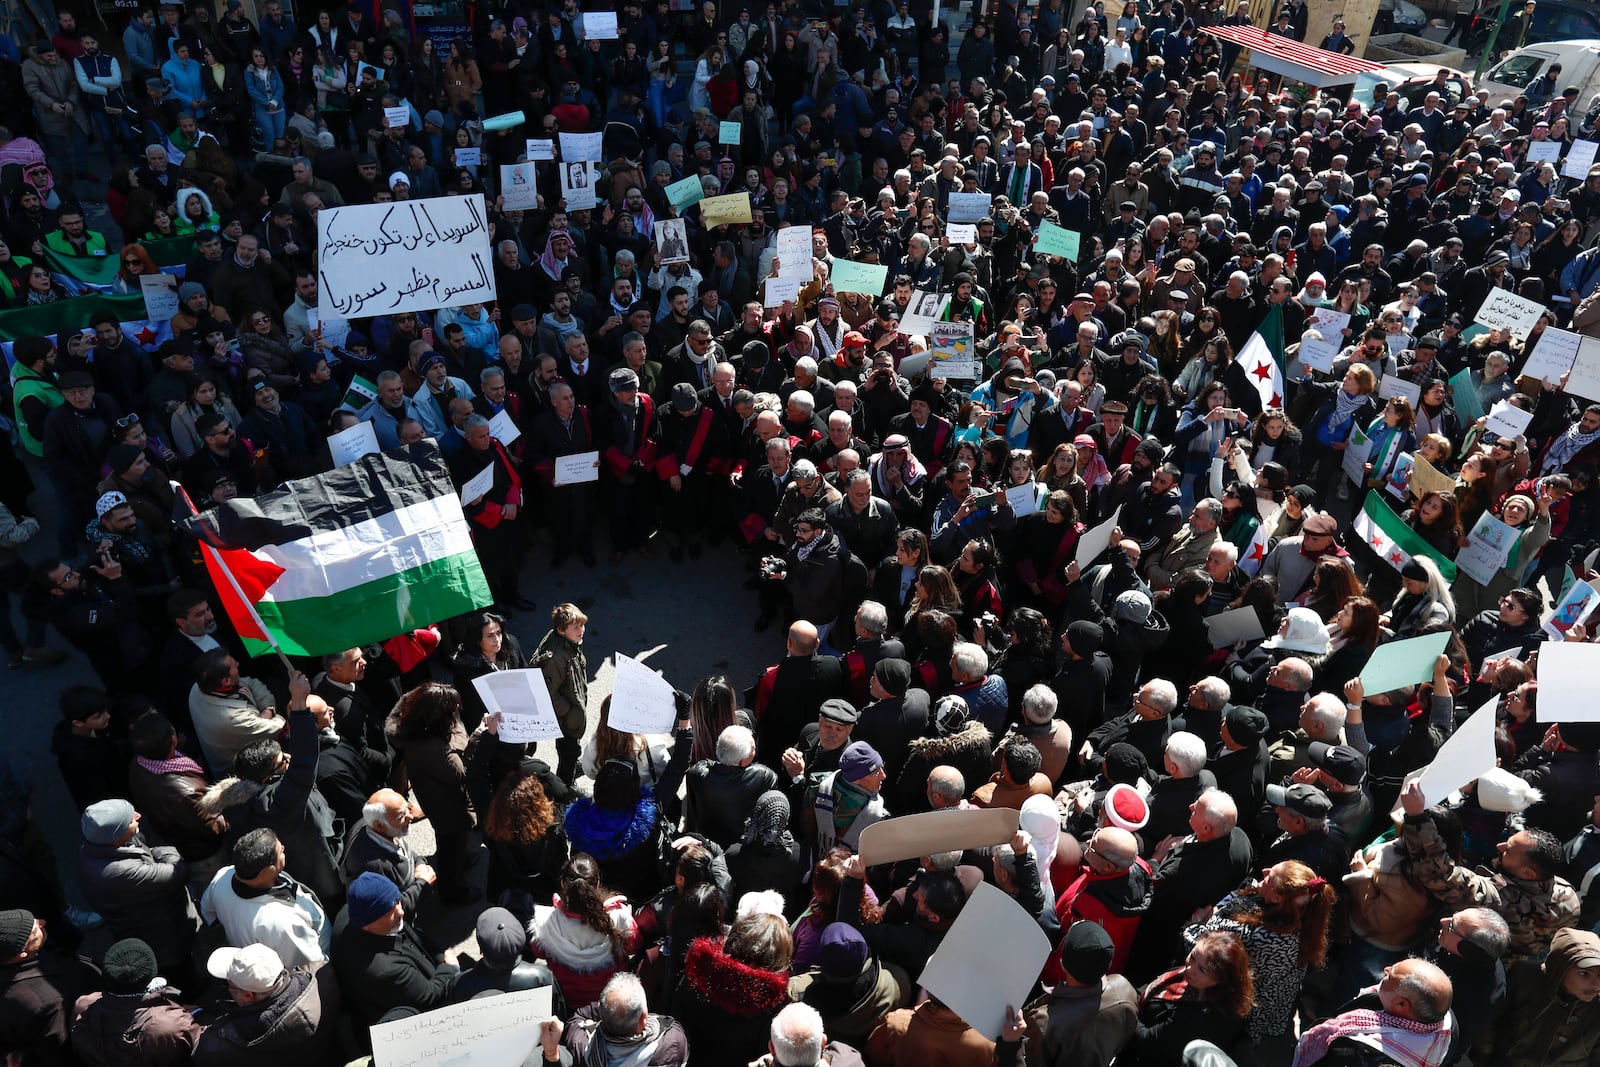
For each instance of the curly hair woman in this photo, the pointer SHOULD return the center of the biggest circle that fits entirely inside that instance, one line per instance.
(1206, 999)
(526, 843)
(428, 739)
(585, 934)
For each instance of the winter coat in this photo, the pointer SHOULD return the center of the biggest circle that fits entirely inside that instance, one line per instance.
(286, 918)
(141, 1030)
(1082, 1026)
(583, 1030)
(579, 956)
(719, 798)
(171, 809)
(141, 891)
(725, 1006)
(299, 1024)
(969, 750)
(226, 723)
(1114, 901)
(36, 1001)
(624, 842)
(1540, 1025)
(851, 1010)
(928, 1034)
(438, 774)
(49, 85)
(381, 972)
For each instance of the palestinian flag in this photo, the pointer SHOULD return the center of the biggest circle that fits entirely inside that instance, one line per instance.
(1262, 358)
(375, 548)
(1393, 540)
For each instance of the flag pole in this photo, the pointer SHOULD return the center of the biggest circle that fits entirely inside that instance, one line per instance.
(182, 496)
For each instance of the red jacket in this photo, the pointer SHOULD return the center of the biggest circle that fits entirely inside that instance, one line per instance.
(1114, 901)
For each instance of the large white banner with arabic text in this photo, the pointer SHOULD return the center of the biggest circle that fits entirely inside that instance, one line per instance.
(411, 255)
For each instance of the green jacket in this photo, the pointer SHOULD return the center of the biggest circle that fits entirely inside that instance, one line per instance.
(24, 384)
(57, 242)
(566, 675)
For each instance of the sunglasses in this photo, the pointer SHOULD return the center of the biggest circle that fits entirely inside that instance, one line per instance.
(126, 421)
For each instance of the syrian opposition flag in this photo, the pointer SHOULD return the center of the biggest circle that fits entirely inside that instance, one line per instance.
(1394, 541)
(1262, 358)
(372, 549)
(1255, 551)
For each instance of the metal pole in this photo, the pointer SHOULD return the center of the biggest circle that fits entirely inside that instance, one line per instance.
(1494, 37)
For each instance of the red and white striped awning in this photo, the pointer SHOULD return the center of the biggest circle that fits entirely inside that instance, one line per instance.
(1290, 58)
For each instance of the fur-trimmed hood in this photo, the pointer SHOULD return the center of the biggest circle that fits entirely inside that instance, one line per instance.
(229, 793)
(972, 737)
(607, 834)
(730, 986)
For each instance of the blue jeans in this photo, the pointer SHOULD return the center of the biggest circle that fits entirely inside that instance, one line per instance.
(272, 124)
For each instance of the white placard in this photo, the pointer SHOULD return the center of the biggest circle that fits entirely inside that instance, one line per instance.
(642, 701)
(1398, 343)
(577, 468)
(1465, 755)
(577, 185)
(503, 427)
(1567, 670)
(160, 295)
(1320, 354)
(1552, 355)
(499, 1029)
(1546, 151)
(1576, 605)
(1507, 310)
(478, 486)
(794, 252)
(987, 961)
(1096, 541)
(1585, 378)
(779, 290)
(1393, 386)
(519, 185)
(955, 352)
(1024, 499)
(523, 703)
(968, 207)
(672, 240)
(347, 446)
(1235, 624)
(1579, 159)
(577, 147)
(1486, 549)
(961, 233)
(540, 148)
(469, 157)
(396, 118)
(1507, 421)
(922, 311)
(417, 255)
(600, 25)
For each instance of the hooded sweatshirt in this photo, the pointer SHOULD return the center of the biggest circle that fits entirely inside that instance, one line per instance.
(1542, 1025)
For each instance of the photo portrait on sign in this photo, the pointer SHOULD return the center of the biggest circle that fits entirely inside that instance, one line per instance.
(577, 185)
(672, 241)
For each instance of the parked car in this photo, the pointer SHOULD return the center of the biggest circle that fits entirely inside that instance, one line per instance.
(1414, 81)
(1580, 66)
(1553, 20)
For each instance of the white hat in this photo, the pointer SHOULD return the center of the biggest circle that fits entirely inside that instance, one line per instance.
(1303, 631)
(108, 502)
(254, 968)
(1500, 790)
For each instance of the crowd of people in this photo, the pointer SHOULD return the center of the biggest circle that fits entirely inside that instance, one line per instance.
(1223, 841)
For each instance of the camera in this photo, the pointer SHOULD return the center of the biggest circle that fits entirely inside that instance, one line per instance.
(884, 376)
(773, 567)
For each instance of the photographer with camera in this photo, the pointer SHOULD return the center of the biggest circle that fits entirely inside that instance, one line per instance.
(810, 575)
(967, 514)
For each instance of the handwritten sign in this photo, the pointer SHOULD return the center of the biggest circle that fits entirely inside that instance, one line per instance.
(954, 350)
(469, 157)
(1585, 379)
(961, 233)
(1393, 386)
(1544, 151)
(503, 427)
(729, 133)
(396, 117)
(968, 207)
(1319, 352)
(1426, 478)
(779, 291)
(523, 702)
(794, 252)
(577, 185)
(518, 186)
(642, 701)
(1552, 356)
(347, 446)
(502, 1029)
(1506, 310)
(578, 147)
(539, 148)
(687, 193)
(1055, 240)
(1024, 499)
(1507, 421)
(1579, 159)
(852, 277)
(922, 311)
(600, 25)
(418, 255)
(160, 295)
(731, 209)
(478, 486)
(578, 468)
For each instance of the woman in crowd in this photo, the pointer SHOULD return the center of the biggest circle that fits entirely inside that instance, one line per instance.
(586, 933)
(1207, 999)
(430, 744)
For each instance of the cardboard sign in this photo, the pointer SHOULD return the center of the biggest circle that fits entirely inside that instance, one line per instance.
(729, 133)
(1552, 355)
(1465, 756)
(1506, 310)
(414, 255)
(1054, 240)
(954, 351)
(910, 836)
(1579, 159)
(1236, 624)
(988, 960)
(499, 1029)
(1507, 421)
(686, 193)
(728, 210)
(600, 26)
(1096, 540)
(851, 277)
(968, 207)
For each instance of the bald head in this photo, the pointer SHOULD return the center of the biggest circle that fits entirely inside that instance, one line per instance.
(1116, 846)
(802, 639)
(388, 813)
(1415, 990)
(946, 787)
(1213, 815)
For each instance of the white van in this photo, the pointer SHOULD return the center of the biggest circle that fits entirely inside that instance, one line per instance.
(1580, 66)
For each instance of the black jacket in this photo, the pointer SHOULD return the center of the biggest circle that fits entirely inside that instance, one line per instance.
(379, 973)
(719, 798)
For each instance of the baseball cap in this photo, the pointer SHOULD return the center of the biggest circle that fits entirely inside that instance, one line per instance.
(254, 968)
(1301, 799)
